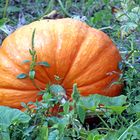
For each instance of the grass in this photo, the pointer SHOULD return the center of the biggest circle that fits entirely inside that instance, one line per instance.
(118, 120)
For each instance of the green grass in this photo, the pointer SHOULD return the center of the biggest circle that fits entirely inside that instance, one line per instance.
(119, 119)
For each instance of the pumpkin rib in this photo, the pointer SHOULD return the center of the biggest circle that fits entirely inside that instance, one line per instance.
(53, 39)
(6, 74)
(67, 41)
(8, 100)
(18, 66)
(85, 70)
(7, 85)
(110, 51)
(70, 67)
(19, 52)
(42, 67)
(88, 68)
(48, 30)
(117, 74)
(15, 89)
(104, 78)
(99, 89)
(45, 72)
(58, 44)
(15, 65)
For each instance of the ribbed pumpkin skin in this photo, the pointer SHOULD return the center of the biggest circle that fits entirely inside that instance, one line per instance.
(76, 53)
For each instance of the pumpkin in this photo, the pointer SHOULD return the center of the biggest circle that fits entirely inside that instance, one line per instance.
(76, 53)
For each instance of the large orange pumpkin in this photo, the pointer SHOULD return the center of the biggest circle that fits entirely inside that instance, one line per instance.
(76, 53)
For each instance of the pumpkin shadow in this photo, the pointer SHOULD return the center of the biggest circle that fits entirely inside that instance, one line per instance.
(91, 122)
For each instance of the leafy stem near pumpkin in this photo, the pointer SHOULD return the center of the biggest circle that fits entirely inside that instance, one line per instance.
(33, 63)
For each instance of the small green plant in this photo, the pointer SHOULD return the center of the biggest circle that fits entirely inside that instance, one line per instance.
(33, 64)
(129, 17)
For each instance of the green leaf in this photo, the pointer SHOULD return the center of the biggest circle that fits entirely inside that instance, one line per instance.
(67, 138)
(81, 113)
(29, 130)
(118, 109)
(66, 107)
(121, 16)
(127, 28)
(75, 93)
(61, 128)
(57, 89)
(137, 98)
(3, 21)
(110, 101)
(106, 1)
(46, 64)
(88, 103)
(31, 52)
(32, 74)
(134, 108)
(92, 101)
(43, 133)
(92, 136)
(22, 76)
(4, 135)
(53, 135)
(3, 27)
(115, 134)
(6, 29)
(9, 116)
(130, 131)
(23, 105)
(47, 97)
